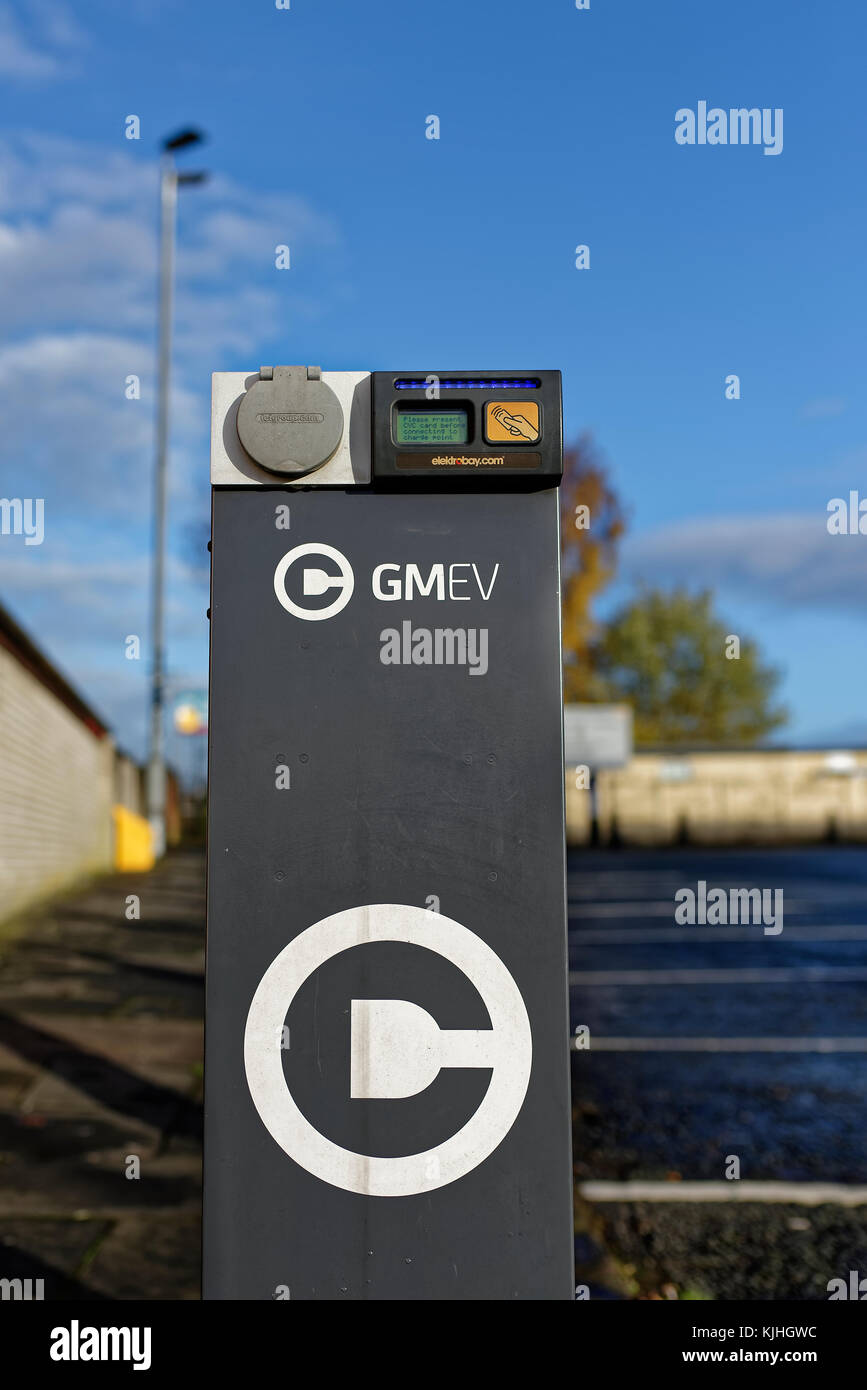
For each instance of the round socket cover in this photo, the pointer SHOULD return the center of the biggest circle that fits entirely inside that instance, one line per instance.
(289, 421)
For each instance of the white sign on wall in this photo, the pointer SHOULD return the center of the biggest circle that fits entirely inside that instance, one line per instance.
(598, 736)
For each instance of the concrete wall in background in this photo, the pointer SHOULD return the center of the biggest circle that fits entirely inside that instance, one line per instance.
(130, 793)
(56, 786)
(725, 798)
(71, 803)
(129, 784)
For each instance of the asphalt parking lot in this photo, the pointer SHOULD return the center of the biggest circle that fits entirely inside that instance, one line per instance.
(714, 1043)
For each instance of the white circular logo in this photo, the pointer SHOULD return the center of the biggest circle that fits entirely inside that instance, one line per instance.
(396, 1049)
(315, 581)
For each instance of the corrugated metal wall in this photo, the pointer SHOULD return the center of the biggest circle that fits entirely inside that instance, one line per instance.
(56, 785)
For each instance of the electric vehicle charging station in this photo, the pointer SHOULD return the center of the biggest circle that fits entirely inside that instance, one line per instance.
(387, 1043)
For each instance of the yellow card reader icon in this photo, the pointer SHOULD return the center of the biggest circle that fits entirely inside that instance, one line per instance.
(512, 422)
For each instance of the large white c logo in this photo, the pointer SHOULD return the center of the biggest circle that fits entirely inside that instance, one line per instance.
(506, 1048)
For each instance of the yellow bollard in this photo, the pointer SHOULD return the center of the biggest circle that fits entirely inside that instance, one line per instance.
(133, 841)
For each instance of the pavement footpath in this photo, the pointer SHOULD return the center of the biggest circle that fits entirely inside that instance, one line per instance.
(101, 1003)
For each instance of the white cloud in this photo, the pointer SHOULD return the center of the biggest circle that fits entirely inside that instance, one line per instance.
(57, 22)
(69, 433)
(78, 246)
(38, 40)
(787, 558)
(823, 408)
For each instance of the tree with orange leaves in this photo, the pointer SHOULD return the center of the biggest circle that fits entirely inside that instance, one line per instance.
(591, 524)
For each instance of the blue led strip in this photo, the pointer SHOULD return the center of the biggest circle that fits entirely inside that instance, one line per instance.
(464, 383)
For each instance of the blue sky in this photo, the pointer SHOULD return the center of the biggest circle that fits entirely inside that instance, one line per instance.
(557, 128)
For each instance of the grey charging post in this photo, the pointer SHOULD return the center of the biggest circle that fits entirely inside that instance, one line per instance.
(387, 1054)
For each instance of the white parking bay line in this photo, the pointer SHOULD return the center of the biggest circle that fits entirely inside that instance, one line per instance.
(805, 1194)
(624, 936)
(614, 1044)
(758, 975)
(666, 907)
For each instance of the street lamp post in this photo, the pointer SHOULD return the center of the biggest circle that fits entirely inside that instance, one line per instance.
(170, 179)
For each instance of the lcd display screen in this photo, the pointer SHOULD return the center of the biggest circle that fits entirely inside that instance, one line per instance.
(431, 427)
